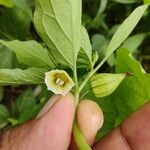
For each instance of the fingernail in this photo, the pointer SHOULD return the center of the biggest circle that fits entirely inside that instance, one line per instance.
(47, 106)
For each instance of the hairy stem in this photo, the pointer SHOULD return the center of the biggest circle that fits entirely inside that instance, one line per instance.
(78, 136)
(76, 87)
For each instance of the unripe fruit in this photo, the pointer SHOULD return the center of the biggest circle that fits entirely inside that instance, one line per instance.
(90, 119)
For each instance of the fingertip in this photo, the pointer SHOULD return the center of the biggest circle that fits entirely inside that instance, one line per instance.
(90, 119)
(57, 122)
(69, 97)
(48, 106)
(53, 100)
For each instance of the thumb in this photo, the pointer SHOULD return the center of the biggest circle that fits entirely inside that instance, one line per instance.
(56, 124)
(51, 129)
(90, 120)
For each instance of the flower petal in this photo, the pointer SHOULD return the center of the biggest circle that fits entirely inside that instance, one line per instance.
(58, 81)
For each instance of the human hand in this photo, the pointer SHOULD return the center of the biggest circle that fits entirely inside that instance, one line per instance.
(52, 130)
(133, 134)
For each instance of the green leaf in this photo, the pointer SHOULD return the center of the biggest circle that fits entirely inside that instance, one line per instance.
(21, 77)
(85, 44)
(85, 53)
(83, 60)
(17, 19)
(146, 1)
(25, 107)
(139, 84)
(125, 1)
(13, 121)
(100, 43)
(61, 34)
(132, 43)
(7, 58)
(99, 18)
(126, 63)
(125, 29)
(7, 3)
(4, 114)
(30, 53)
(31, 3)
(131, 94)
(23, 4)
(102, 7)
(105, 84)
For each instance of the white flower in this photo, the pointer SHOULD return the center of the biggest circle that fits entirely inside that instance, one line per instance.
(58, 81)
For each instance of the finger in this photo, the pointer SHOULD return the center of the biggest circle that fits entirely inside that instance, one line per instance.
(90, 119)
(132, 134)
(136, 129)
(50, 103)
(57, 123)
(51, 131)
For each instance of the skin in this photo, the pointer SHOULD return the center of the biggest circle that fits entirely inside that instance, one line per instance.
(52, 129)
(89, 116)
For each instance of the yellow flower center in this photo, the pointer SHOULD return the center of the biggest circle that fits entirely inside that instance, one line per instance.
(60, 79)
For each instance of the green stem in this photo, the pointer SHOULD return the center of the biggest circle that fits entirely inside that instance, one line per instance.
(79, 138)
(91, 74)
(76, 88)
